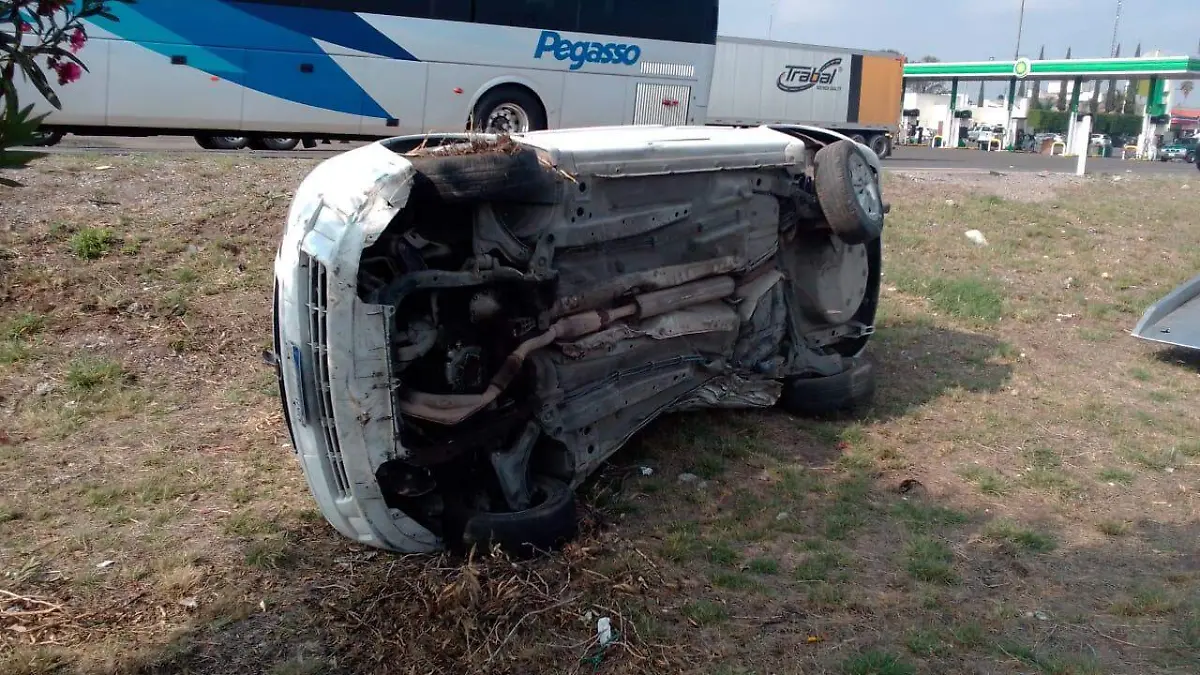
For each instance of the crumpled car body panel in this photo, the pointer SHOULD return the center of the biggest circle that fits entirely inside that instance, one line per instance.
(434, 353)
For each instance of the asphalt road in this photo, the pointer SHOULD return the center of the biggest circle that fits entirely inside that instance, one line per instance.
(914, 159)
(903, 158)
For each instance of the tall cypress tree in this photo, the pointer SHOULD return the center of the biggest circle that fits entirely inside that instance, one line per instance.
(1062, 89)
(1131, 90)
(1037, 84)
(1110, 98)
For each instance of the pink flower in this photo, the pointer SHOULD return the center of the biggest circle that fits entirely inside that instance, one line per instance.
(68, 71)
(78, 39)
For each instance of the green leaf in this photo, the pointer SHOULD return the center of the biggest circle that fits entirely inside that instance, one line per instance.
(38, 77)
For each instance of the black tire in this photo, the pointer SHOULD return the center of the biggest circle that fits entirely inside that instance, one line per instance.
(276, 143)
(881, 145)
(544, 527)
(501, 174)
(518, 98)
(858, 138)
(204, 142)
(45, 139)
(838, 165)
(223, 142)
(849, 390)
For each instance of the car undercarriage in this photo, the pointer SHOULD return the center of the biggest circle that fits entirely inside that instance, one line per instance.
(542, 299)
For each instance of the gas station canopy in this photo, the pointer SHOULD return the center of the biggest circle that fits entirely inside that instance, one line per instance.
(1170, 68)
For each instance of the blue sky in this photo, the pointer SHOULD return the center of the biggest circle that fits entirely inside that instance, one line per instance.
(963, 30)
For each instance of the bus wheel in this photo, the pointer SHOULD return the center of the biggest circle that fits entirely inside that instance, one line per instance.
(509, 110)
(46, 139)
(881, 145)
(222, 142)
(281, 144)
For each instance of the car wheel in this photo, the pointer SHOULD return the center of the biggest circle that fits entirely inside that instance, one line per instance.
(508, 110)
(547, 525)
(279, 144)
(850, 389)
(848, 191)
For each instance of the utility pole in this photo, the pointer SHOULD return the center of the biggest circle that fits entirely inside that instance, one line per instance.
(1017, 51)
(1020, 29)
(1112, 51)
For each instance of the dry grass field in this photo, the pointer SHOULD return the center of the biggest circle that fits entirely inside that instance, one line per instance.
(1021, 498)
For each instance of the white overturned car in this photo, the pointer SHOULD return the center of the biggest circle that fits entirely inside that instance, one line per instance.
(466, 327)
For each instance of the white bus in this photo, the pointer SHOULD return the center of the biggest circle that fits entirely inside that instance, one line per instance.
(271, 73)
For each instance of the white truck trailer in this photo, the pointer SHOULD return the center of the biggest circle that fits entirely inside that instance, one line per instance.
(858, 93)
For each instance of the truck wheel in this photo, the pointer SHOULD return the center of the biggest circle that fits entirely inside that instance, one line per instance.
(509, 110)
(858, 138)
(881, 145)
(848, 191)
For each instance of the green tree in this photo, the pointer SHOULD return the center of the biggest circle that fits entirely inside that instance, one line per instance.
(929, 86)
(33, 32)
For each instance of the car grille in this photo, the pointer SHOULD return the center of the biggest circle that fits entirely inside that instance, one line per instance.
(318, 332)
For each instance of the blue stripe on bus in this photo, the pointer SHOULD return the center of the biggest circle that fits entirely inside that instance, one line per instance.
(346, 29)
(215, 26)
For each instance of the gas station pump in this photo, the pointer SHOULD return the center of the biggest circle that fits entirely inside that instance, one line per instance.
(912, 120)
(963, 120)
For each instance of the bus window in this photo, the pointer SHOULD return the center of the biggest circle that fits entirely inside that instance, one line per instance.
(545, 14)
(675, 20)
(448, 10)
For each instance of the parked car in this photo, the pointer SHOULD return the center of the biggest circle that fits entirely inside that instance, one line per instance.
(1181, 150)
(467, 327)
